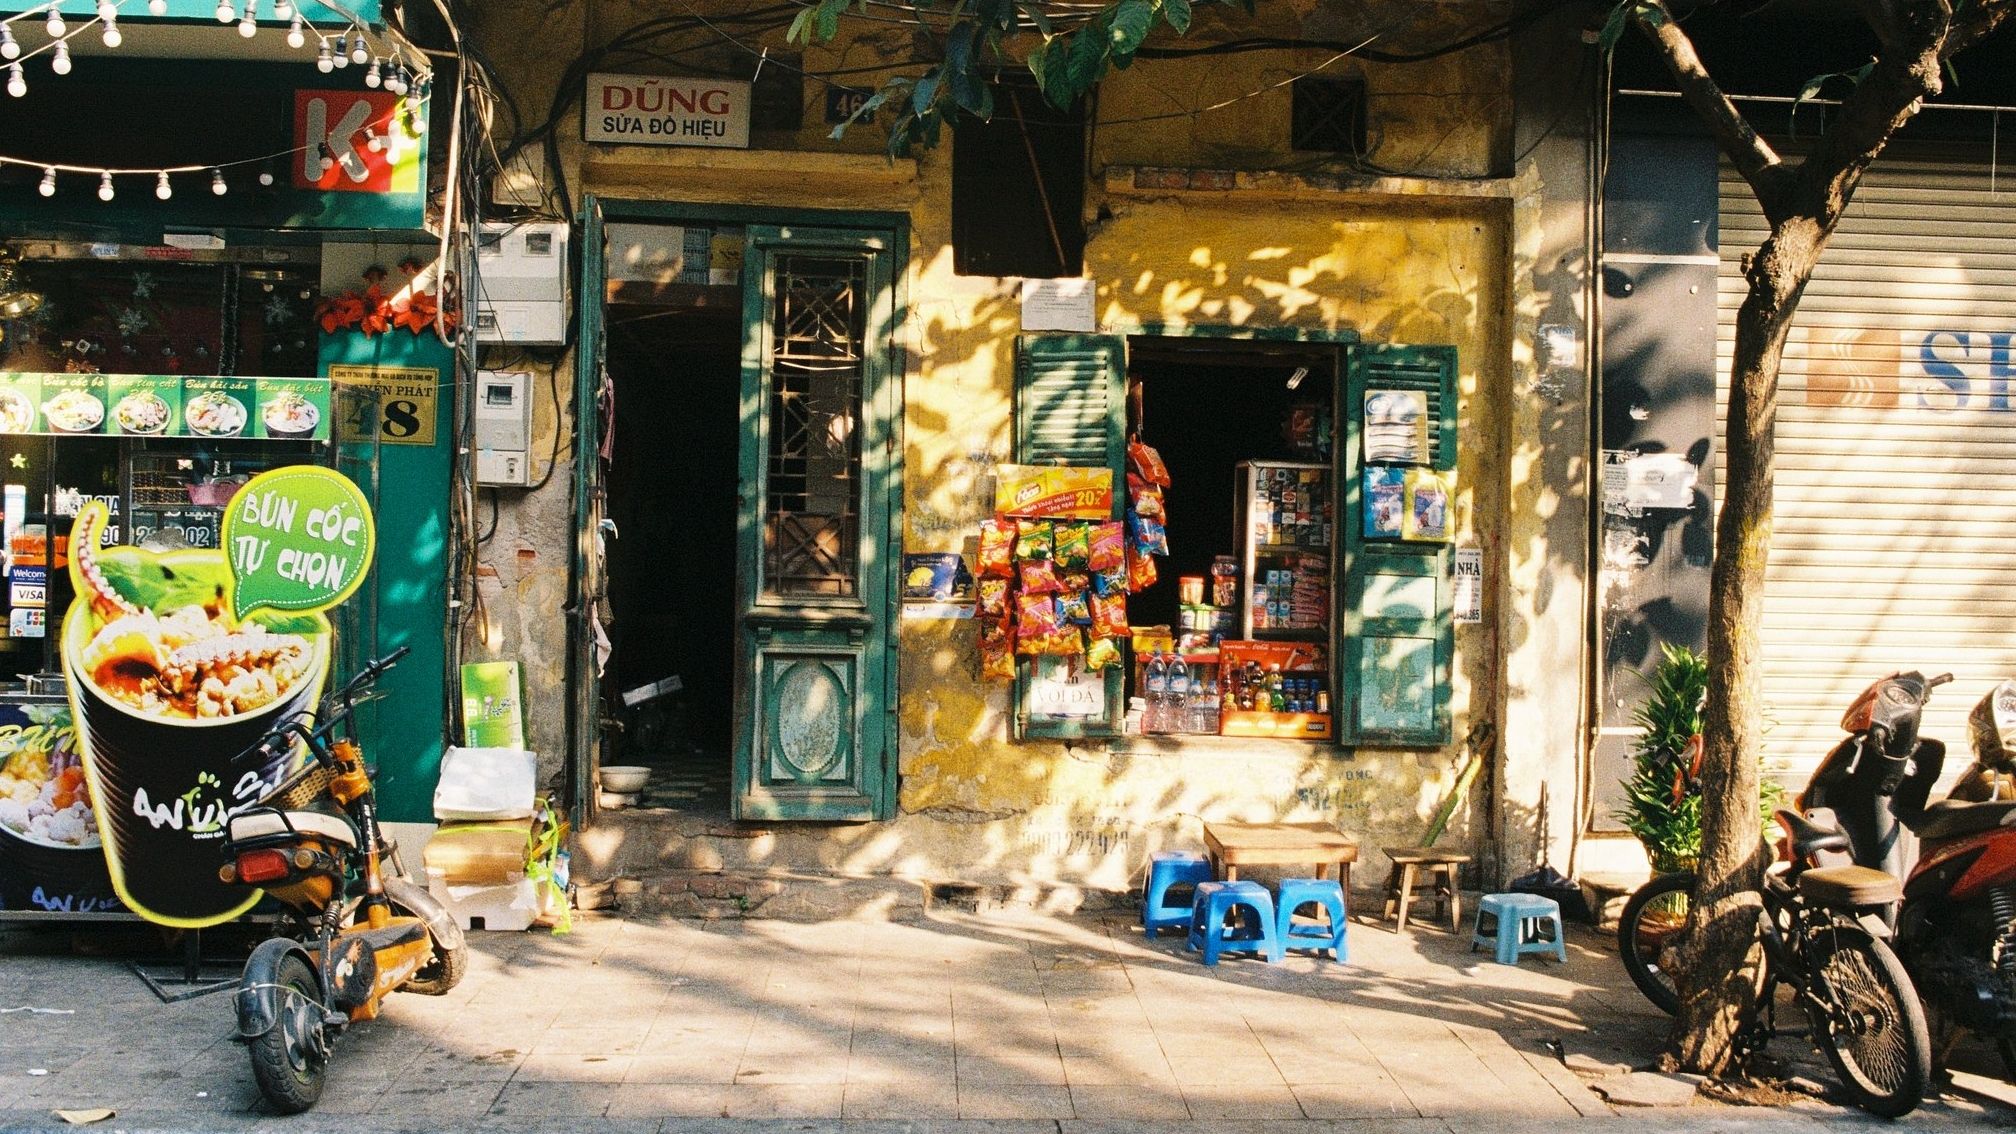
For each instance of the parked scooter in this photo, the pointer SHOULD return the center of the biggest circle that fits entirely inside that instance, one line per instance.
(358, 933)
(1956, 926)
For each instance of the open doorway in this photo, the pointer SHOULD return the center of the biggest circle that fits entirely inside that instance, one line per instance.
(674, 358)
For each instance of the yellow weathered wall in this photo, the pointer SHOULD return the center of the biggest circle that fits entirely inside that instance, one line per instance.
(1410, 260)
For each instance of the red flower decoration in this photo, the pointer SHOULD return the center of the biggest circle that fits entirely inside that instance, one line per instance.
(373, 313)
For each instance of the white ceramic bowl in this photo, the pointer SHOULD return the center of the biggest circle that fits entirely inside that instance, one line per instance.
(624, 777)
(617, 800)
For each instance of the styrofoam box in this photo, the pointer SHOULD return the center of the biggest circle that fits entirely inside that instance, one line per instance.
(506, 908)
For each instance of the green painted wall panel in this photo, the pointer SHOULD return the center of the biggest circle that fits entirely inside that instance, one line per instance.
(404, 734)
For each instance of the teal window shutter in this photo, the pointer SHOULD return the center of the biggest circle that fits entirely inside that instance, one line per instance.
(1394, 642)
(1071, 409)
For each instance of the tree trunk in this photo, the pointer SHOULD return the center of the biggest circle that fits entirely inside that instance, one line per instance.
(1722, 937)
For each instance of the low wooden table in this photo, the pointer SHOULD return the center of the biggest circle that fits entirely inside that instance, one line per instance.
(1233, 845)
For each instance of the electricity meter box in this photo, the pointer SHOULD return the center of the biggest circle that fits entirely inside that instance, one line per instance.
(521, 293)
(503, 427)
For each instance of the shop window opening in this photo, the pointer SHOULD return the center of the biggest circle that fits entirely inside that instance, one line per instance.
(1018, 187)
(674, 342)
(1328, 116)
(1234, 637)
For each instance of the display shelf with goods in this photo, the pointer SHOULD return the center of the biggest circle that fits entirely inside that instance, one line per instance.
(1286, 527)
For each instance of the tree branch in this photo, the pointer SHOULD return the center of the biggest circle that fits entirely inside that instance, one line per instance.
(1753, 157)
(1975, 24)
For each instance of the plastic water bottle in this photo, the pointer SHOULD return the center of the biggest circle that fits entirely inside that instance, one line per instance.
(1176, 717)
(1156, 719)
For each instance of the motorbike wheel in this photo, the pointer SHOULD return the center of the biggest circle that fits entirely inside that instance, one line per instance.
(291, 1060)
(440, 975)
(1656, 912)
(1868, 1021)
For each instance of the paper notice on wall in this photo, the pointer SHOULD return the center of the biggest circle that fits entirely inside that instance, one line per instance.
(1059, 305)
(1616, 481)
(1466, 591)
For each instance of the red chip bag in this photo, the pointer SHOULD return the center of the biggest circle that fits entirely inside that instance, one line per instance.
(1141, 572)
(997, 663)
(1039, 577)
(993, 595)
(1065, 643)
(996, 634)
(1147, 462)
(1035, 620)
(1144, 499)
(997, 549)
(1109, 546)
(1109, 616)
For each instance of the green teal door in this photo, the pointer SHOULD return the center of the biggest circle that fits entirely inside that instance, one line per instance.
(815, 730)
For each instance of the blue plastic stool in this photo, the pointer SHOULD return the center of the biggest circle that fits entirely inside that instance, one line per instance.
(1321, 892)
(1251, 910)
(1166, 871)
(1515, 928)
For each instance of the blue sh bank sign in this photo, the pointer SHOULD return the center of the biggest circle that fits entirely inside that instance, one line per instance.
(653, 110)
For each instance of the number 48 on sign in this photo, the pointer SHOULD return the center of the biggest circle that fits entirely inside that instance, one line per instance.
(407, 397)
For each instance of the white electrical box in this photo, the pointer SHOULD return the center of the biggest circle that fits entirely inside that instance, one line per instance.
(521, 294)
(503, 427)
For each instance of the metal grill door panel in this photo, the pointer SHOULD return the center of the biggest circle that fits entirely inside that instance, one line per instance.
(820, 413)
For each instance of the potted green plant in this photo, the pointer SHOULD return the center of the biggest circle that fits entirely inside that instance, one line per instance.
(1663, 794)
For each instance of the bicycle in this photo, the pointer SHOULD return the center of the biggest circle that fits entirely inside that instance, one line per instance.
(1823, 932)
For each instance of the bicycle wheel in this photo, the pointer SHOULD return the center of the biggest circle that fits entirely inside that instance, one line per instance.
(1655, 913)
(1867, 1020)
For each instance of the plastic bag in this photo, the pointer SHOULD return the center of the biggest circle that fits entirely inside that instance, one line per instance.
(1147, 462)
(1108, 546)
(1039, 577)
(487, 783)
(997, 549)
(1150, 537)
(1033, 539)
(1073, 546)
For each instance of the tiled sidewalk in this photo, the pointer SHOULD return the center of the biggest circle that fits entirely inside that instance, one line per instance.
(1003, 1023)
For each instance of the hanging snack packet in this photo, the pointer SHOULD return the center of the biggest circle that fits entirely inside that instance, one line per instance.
(1109, 616)
(1147, 462)
(1032, 539)
(996, 663)
(1035, 620)
(1109, 581)
(997, 549)
(993, 597)
(998, 634)
(1065, 643)
(1108, 546)
(1073, 544)
(1150, 537)
(1140, 571)
(1072, 606)
(1103, 653)
(1039, 577)
(1144, 499)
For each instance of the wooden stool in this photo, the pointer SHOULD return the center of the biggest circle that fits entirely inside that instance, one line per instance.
(1424, 864)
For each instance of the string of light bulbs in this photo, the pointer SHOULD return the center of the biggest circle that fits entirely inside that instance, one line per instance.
(393, 70)
(403, 132)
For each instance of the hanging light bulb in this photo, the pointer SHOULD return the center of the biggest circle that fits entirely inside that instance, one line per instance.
(105, 186)
(399, 83)
(48, 186)
(17, 83)
(295, 37)
(283, 9)
(225, 12)
(360, 52)
(265, 177)
(157, 7)
(107, 10)
(111, 34)
(342, 52)
(248, 22)
(323, 62)
(161, 187)
(60, 62)
(217, 185)
(54, 25)
(372, 141)
(10, 48)
(374, 77)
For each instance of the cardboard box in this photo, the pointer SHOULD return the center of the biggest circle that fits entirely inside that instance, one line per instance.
(487, 853)
(509, 907)
(1285, 726)
(493, 705)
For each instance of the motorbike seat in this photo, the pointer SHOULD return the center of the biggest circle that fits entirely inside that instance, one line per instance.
(1848, 887)
(1949, 818)
(266, 823)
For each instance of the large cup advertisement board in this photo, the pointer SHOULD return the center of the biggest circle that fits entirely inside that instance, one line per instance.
(175, 663)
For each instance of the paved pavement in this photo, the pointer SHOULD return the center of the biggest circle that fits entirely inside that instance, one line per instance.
(995, 1024)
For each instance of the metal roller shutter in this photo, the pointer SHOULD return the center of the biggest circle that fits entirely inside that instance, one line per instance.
(1896, 489)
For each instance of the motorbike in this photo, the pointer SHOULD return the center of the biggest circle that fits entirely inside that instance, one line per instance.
(1955, 928)
(351, 933)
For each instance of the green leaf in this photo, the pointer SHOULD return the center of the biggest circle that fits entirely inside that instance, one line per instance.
(1128, 25)
(1952, 73)
(959, 48)
(1040, 18)
(1177, 12)
(926, 92)
(827, 19)
(1086, 63)
(801, 24)
(1613, 26)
